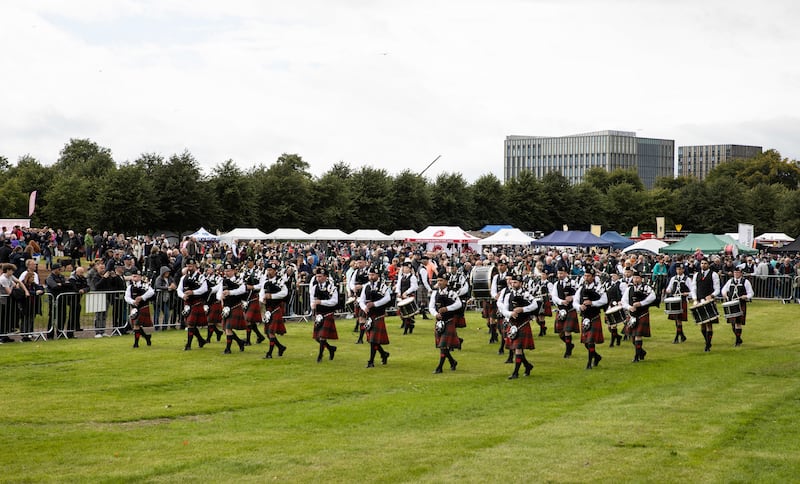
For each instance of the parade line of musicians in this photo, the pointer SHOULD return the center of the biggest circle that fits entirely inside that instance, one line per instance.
(229, 299)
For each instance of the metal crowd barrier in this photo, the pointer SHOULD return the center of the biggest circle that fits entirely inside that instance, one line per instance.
(103, 312)
(167, 310)
(26, 319)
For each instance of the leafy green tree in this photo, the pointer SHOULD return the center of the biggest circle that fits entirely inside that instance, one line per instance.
(70, 203)
(84, 157)
(526, 207)
(182, 198)
(334, 204)
(673, 184)
(283, 192)
(489, 198)
(411, 201)
(629, 176)
(721, 195)
(625, 207)
(15, 200)
(125, 200)
(768, 168)
(371, 189)
(234, 196)
(786, 211)
(658, 202)
(759, 205)
(558, 200)
(591, 207)
(597, 178)
(452, 204)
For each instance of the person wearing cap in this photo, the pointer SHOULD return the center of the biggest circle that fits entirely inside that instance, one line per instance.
(705, 288)
(273, 293)
(405, 288)
(563, 294)
(517, 305)
(444, 303)
(324, 299)
(541, 288)
(493, 318)
(355, 285)
(679, 285)
(374, 298)
(191, 289)
(637, 300)
(138, 295)
(589, 300)
(738, 288)
(231, 293)
(213, 306)
(458, 282)
(615, 288)
(253, 279)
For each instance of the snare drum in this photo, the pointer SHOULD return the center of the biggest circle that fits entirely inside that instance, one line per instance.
(481, 282)
(732, 309)
(705, 312)
(350, 304)
(673, 305)
(407, 307)
(616, 315)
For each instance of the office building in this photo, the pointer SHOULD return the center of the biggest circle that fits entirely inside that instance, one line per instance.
(698, 161)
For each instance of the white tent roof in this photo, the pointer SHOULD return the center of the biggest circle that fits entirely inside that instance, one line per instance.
(243, 234)
(204, 235)
(368, 234)
(287, 234)
(773, 237)
(507, 237)
(402, 234)
(444, 233)
(329, 234)
(650, 245)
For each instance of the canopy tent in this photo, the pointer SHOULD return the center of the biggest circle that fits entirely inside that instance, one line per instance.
(495, 228)
(444, 233)
(650, 246)
(402, 234)
(707, 243)
(369, 234)
(792, 247)
(328, 234)
(617, 241)
(243, 234)
(510, 236)
(288, 234)
(572, 238)
(203, 235)
(773, 238)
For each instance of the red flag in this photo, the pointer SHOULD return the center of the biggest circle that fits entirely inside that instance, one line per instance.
(32, 203)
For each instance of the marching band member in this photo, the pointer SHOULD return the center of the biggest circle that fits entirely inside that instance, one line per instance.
(355, 285)
(738, 288)
(253, 281)
(499, 283)
(405, 288)
(518, 307)
(636, 300)
(191, 289)
(458, 283)
(424, 289)
(214, 311)
(272, 294)
(137, 294)
(542, 288)
(563, 294)
(705, 287)
(374, 298)
(444, 303)
(679, 285)
(324, 298)
(231, 293)
(589, 299)
(616, 288)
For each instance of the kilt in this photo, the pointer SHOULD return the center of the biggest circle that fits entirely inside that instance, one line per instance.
(236, 319)
(548, 308)
(423, 298)
(741, 319)
(327, 330)
(253, 314)
(143, 318)
(358, 312)
(276, 324)
(197, 316)
(214, 315)
(595, 332)
(524, 339)
(448, 339)
(377, 334)
(459, 320)
(489, 309)
(642, 327)
(569, 324)
(684, 315)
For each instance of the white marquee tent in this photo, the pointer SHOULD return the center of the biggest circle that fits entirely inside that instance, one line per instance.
(444, 233)
(204, 235)
(772, 238)
(244, 234)
(288, 234)
(402, 234)
(369, 234)
(328, 234)
(649, 245)
(507, 237)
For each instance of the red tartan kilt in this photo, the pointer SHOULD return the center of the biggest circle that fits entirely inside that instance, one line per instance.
(214, 315)
(358, 312)
(642, 327)
(684, 315)
(460, 321)
(328, 329)
(569, 324)
(489, 309)
(236, 319)
(277, 311)
(448, 339)
(548, 308)
(524, 339)
(741, 319)
(197, 316)
(595, 332)
(253, 314)
(377, 334)
(276, 324)
(143, 318)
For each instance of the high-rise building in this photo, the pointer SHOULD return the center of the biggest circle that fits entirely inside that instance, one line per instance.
(575, 154)
(698, 161)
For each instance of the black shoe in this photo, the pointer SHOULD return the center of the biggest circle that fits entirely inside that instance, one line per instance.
(453, 365)
(247, 343)
(281, 350)
(597, 359)
(241, 346)
(528, 369)
(707, 349)
(187, 347)
(513, 376)
(508, 361)
(675, 341)
(501, 352)
(589, 365)
(683, 337)
(227, 351)
(135, 345)
(384, 358)
(260, 340)
(319, 359)
(737, 344)
(333, 351)
(360, 342)
(219, 335)
(437, 371)
(201, 342)
(268, 356)
(370, 364)
(644, 353)
(613, 339)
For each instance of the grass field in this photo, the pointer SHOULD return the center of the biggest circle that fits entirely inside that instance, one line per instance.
(99, 411)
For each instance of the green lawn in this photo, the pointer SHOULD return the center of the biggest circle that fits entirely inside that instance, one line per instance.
(99, 411)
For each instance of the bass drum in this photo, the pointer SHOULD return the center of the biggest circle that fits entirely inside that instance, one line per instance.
(481, 282)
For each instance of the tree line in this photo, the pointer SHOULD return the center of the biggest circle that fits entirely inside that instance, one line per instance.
(85, 187)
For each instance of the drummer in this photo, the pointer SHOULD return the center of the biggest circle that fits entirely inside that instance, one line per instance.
(738, 288)
(406, 287)
(705, 287)
(615, 288)
(679, 285)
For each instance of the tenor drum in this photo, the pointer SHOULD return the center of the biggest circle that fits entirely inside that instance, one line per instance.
(673, 305)
(350, 304)
(616, 315)
(732, 309)
(705, 312)
(482, 281)
(407, 307)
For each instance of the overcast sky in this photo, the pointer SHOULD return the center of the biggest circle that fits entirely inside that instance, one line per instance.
(392, 84)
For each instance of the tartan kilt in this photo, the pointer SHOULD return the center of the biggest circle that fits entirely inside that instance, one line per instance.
(741, 319)
(253, 314)
(276, 323)
(459, 319)
(236, 319)
(214, 315)
(327, 330)
(569, 324)
(358, 312)
(143, 318)
(489, 309)
(548, 308)
(595, 332)
(448, 339)
(642, 327)
(684, 315)
(197, 315)
(524, 339)
(377, 334)
(423, 298)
